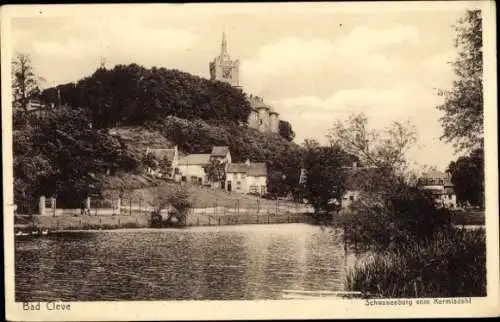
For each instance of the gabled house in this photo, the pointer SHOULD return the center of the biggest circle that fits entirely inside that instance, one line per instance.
(439, 185)
(192, 168)
(168, 161)
(247, 177)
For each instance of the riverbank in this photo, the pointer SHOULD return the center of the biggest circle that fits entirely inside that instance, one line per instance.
(58, 223)
(136, 220)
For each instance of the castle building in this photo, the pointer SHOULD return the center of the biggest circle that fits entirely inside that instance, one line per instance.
(262, 116)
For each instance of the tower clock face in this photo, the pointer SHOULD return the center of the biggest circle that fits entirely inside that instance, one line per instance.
(226, 72)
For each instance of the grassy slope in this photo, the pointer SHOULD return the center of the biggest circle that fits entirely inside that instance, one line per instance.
(205, 197)
(141, 186)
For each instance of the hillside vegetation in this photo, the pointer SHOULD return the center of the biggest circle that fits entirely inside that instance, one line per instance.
(96, 138)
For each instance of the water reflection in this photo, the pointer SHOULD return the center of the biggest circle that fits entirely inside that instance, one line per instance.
(209, 263)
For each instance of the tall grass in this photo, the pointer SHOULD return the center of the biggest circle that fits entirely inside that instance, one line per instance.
(452, 264)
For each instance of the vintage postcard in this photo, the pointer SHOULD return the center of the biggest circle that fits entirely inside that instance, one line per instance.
(250, 161)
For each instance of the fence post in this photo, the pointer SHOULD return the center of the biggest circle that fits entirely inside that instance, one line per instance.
(118, 205)
(268, 218)
(53, 206)
(140, 206)
(220, 218)
(41, 206)
(130, 206)
(87, 203)
(258, 204)
(197, 220)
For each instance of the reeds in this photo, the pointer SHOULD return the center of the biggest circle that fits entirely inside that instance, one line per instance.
(452, 264)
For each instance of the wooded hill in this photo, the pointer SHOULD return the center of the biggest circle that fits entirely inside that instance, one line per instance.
(68, 152)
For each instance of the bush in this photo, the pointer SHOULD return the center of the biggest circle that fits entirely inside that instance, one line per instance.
(178, 198)
(453, 264)
(402, 216)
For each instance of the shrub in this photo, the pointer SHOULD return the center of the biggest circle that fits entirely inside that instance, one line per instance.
(453, 264)
(176, 197)
(404, 215)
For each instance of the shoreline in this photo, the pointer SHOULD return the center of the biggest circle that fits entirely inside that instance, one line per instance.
(180, 229)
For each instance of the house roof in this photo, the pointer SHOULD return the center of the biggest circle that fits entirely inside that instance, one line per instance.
(163, 153)
(438, 175)
(257, 170)
(435, 175)
(356, 177)
(252, 169)
(195, 159)
(220, 151)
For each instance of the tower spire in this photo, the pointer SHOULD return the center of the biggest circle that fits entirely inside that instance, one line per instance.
(224, 46)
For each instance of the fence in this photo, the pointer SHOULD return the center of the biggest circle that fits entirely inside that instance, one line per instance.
(138, 206)
(126, 221)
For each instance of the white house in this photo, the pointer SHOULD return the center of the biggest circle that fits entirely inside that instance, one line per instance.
(192, 168)
(440, 186)
(247, 177)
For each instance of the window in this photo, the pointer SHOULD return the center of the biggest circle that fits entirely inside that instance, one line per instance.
(441, 182)
(254, 189)
(262, 190)
(351, 198)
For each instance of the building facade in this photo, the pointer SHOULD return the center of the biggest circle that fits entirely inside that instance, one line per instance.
(439, 185)
(247, 177)
(262, 116)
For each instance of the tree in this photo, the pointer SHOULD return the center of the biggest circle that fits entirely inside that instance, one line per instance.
(285, 130)
(25, 84)
(150, 161)
(165, 164)
(467, 174)
(388, 210)
(463, 104)
(216, 171)
(383, 149)
(177, 198)
(325, 177)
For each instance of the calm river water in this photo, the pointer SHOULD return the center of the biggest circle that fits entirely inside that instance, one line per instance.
(205, 263)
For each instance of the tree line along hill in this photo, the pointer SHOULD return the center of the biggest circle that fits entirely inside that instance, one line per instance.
(69, 151)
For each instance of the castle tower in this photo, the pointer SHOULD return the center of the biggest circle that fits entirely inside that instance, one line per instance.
(222, 68)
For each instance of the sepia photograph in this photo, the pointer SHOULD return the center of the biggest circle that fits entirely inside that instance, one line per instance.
(267, 153)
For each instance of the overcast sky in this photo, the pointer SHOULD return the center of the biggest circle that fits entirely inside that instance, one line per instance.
(314, 66)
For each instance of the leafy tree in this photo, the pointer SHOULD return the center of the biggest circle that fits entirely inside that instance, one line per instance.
(150, 161)
(384, 149)
(325, 177)
(285, 130)
(463, 104)
(467, 174)
(387, 210)
(215, 171)
(25, 84)
(176, 198)
(132, 94)
(165, 164)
